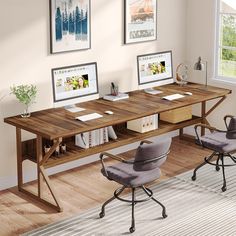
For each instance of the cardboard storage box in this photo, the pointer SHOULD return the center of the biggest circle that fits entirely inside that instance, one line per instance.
(177, 115)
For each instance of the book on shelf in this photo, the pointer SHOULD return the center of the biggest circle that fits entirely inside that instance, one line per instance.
(82, 140)
(105, 134)
(95, 137)
(101, 139)
(118, 97)
(111, 133)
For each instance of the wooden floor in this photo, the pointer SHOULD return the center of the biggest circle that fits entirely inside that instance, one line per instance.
(81, 189)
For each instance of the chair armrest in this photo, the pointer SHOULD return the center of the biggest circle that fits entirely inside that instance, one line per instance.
(145, 141)
(226, 120)
(203, 126)
(211, 128)
(115, 157)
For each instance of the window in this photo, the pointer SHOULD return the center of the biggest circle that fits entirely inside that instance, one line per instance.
(226, 40)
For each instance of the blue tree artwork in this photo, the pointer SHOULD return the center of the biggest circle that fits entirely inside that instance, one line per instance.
(58, 19)
(70, 25)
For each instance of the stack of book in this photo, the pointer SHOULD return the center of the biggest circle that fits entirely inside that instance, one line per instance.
(95, 137)
(118, 97)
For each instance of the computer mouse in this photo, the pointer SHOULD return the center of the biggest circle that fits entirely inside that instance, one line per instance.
(188, 93)
(109, 112)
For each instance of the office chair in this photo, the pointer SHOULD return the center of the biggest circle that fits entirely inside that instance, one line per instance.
(222, 143)
(136, 172)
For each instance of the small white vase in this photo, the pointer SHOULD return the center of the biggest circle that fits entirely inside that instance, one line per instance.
(26, 112)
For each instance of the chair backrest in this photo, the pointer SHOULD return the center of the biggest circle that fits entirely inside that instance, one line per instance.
(146, 157)
(231, 129)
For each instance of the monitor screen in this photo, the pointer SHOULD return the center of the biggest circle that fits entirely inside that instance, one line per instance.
(155, 68)
(74, 84)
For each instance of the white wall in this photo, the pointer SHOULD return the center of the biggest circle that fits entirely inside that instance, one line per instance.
(201, 42)
(25, 57)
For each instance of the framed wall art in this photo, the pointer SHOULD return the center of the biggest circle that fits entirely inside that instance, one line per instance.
(140, 21)
(70, 25)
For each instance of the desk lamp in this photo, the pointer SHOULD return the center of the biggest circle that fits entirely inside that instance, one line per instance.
(199, 65)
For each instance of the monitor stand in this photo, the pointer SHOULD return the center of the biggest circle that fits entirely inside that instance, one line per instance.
(73, 108)
(152, 91)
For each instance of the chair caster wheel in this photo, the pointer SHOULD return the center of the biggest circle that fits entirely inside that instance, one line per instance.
(217, 168)
(131, 229)
(194, 177)
(102, 214)
(164, 215)
(223, 188)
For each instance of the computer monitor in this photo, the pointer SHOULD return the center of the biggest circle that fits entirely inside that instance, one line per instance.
(74, 84)
(155, 69)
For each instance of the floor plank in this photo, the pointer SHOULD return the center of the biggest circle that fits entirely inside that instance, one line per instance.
(82, 188)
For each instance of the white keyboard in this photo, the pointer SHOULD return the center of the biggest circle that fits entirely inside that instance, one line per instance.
(91, 116)
(173, 97)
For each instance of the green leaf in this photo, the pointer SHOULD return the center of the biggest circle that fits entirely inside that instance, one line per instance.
(24, 93)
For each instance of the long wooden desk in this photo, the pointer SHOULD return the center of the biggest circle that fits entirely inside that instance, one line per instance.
(60, 125)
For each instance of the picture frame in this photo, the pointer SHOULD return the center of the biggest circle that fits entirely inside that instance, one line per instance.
(70, 25)
(140, 21)
(154, 67)
(75, 81)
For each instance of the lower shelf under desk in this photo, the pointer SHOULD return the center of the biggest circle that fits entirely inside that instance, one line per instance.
(125, 137)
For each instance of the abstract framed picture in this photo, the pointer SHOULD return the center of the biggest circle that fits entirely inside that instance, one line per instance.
(140, 21)
(70, 25)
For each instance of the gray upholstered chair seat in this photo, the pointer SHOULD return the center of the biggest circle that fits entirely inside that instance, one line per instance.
(217, 141)
(126, 175)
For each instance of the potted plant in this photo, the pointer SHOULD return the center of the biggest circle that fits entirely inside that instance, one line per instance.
(26, 94)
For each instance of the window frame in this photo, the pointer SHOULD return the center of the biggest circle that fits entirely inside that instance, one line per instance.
(218, 46)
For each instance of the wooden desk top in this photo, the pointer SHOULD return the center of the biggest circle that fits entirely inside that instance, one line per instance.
(58, 122)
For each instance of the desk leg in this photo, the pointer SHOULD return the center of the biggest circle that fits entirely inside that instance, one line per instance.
(51, 189)
(19, 159)
(39, 159)
(41, 174)
(181, 133)
(203, 115)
